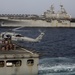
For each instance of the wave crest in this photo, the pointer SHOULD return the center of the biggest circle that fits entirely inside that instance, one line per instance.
(57, 68)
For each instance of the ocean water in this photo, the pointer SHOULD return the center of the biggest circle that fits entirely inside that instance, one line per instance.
(56, 49)
(57, 66)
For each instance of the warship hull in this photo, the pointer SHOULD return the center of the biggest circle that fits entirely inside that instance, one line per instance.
(35, 23)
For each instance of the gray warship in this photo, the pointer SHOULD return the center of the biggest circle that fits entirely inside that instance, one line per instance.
(15, 60)
(49, 19)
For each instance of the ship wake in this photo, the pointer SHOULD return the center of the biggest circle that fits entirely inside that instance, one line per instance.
(56, 65)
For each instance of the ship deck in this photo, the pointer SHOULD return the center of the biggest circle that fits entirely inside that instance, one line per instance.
(18, 53)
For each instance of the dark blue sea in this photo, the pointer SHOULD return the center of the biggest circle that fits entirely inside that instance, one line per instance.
(56, 49)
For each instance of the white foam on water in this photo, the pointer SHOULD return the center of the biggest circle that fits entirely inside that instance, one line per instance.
(57, 68)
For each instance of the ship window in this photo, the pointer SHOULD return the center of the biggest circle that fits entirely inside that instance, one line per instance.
(11, 63)
(1, 63)
(30, 62)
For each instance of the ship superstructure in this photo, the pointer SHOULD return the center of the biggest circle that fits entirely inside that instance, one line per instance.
(50, 18)
(15, 60)
(61, 15)
(60, 18)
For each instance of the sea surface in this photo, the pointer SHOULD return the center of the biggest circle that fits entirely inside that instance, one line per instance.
(56, 49)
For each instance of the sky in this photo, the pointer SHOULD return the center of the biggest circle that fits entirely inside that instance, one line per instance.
(34, 6)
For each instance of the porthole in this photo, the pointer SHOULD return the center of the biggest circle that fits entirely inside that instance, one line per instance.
(1, 63)
(30, 62)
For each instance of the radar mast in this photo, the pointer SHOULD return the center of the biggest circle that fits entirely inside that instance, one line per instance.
(52, 9)
(62, 9)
